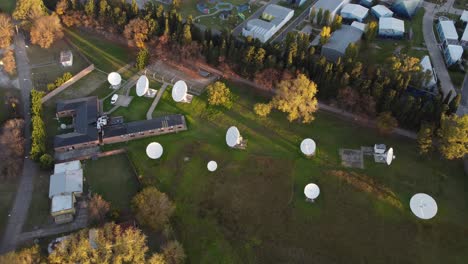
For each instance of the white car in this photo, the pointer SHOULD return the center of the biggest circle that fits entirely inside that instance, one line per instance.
(114, 98)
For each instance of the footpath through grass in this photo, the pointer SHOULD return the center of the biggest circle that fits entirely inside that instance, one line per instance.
(253, 210)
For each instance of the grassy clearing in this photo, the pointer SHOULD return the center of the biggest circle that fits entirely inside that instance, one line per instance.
(106, 55)
(462, 4)
(113, 178)
(7, 6)
(252, 209)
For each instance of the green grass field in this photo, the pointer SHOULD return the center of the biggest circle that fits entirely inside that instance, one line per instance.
(462, 4)
(252, 209)
(113, 178)
(7, 6)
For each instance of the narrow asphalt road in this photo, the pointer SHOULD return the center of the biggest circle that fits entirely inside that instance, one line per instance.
(149, 114)
(20, 208)
(433, 48)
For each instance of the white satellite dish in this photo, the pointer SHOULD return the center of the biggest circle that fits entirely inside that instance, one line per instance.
(311, 191)
(179, 92)
(154, 150)
(423, 206)
(212, 165)
(142, 85)
(114, 78)
(389, 158)
(233, 137)
(63, 126)
(308, 147)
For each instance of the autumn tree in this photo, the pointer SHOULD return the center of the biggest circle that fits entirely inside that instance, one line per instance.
(111, 244)
(46, 30)
(297, 98)
(29, 9)
(453, 134)
(152, 208)
(371, 31)
(173, 253)
(157, 259)
(25, 256)
(386, 123)
(142, 59)
(90, 7)
(262, 110)
(137, 30)
(98, 209)
(325, 35)
(219, 94)
(425, 138)
(9, 62)
(6, 31)
(12, 146)
(187, 35)
(319, 16)
(61, 7)
(46, 161)
(336, 24)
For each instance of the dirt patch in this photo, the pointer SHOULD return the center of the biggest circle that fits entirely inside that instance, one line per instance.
(367, 184)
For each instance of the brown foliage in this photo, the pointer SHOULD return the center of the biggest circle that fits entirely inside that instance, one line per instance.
(98, 208)
(350, 100)
(152, 208)
(46, 30)
(73, 18)
(12, 146)
(369, 185)
(386, 123)
(9, 62)
(6, 31)
(268, 78)
(137, 30)
(174, 253)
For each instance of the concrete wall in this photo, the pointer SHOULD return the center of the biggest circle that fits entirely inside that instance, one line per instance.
(78, 146)
(68, 83)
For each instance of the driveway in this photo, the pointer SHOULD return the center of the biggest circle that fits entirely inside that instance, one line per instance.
(19, 212)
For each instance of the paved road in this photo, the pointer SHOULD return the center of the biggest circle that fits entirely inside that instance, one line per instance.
(292, 25)
(19, 212)
(237, 31)
(149, 114)
(433, 47)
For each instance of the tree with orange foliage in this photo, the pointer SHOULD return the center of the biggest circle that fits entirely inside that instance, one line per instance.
(137, 30)
(46, 30)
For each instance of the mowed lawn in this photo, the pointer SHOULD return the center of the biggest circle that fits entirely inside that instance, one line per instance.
(113, 178)
(253, 210)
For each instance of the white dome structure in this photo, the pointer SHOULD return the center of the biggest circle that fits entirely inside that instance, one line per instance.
(154, 150)
(233, 137)
(142, 85)
(311, 191)
(212, 165)
(114, 78)
(423, 206)
(308, 147)
(179, 91)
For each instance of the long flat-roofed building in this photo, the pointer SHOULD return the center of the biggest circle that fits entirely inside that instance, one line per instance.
(339, 42)
(354, 12)
(273, 18)
(390, 27)
(447, 32)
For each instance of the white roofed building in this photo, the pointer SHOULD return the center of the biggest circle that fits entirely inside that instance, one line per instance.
(381, 11)
(447, 32)
(339, 42)
(354, 12)
(390, 27)
(453, 54)
(464, 16)
(359, 25)
(427, 67)
(464, 38)
(331, 5)
(273, 18)
(367, 3)
(65, 185)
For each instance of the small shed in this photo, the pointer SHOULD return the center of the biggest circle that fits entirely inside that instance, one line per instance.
(354, 12)
(66, 58)
(381, 11)
(390, 27)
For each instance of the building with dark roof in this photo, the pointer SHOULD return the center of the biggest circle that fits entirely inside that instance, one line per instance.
(339, 42)
(88, 132)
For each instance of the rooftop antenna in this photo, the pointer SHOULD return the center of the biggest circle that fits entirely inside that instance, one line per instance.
(423, 206)
(308, 147)
(154, 150)
(142, 85)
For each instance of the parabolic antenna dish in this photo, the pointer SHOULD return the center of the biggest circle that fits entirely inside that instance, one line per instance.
(423, 206)
(212, 165)
(389, 157)
(154, 150)
(232, 136)
(114, 78)
(142, 85)
(311, 191)
(179, 91)
(308, 147)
